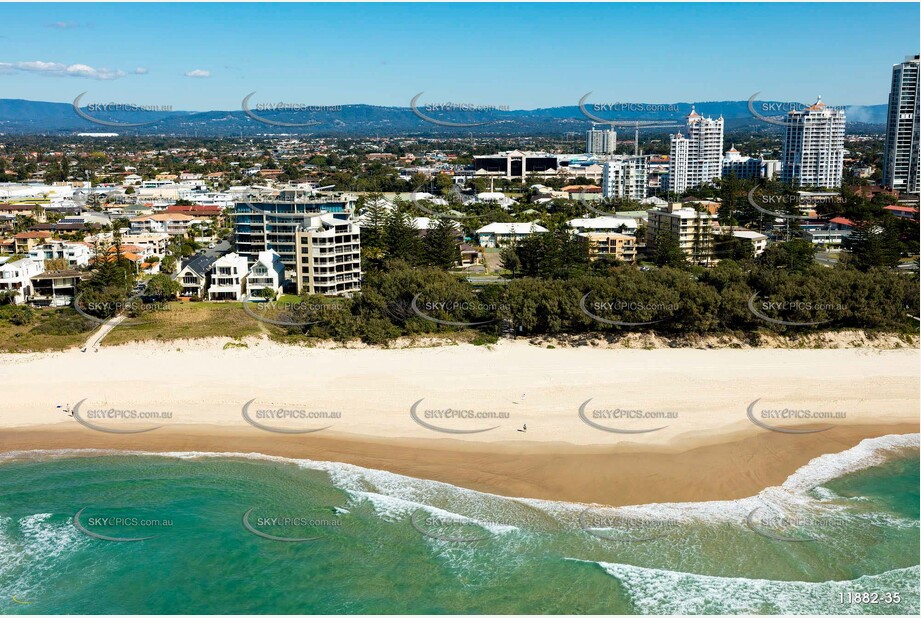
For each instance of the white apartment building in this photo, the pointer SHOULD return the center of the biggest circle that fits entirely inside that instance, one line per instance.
(328, 256)
(16, 277)
(692, 230)
(76, 254)
(696, 159)
(813, 146)
(902, 158)
(625, 177)
(600, 141)
(746, 168)
(228, 275)
(268, 272)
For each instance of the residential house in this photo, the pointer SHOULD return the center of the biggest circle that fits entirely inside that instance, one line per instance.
(76, 254)
(16, 277)
(56, 288)
(194, 274)
(228, 277)
(26, 241)
(174, 224)
(501, 234)
(268, 272)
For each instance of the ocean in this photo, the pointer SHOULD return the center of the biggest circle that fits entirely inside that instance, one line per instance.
(95, 532)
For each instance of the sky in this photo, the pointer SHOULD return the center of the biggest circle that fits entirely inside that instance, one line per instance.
(524, 56)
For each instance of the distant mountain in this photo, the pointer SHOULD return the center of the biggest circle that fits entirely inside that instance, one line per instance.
(21, 117)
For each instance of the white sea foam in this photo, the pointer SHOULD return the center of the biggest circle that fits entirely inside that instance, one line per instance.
(395, 495)
(657, 591)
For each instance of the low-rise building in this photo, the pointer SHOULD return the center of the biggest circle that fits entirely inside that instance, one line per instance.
(604, 224)
(76, 254)
(610, 245)
(56, 288)
(757, 240)
(501, 234)
(193, 276)
(16, 278)
(267, 273)
(228, 277)
(174, 224)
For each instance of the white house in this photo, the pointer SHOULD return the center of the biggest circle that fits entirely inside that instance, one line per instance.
(77, 254)
(268, 272)
(16, 276)
(499, 234)
(757, 240)
(173, 223)
(228, 274)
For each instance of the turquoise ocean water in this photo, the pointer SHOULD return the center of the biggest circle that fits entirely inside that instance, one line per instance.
(382, 543)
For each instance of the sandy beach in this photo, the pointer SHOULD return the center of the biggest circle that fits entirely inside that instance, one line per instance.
(606, 426)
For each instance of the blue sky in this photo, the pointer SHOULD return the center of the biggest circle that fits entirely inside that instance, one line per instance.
(209, 56)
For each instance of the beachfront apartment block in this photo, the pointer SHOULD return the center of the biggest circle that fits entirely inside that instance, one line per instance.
(328, 256)
(692, 230)
(16, 278)
(812, 151)
(625, 177)
(604, 224)
(273, 223)
(267, 273)
(696, 159)
(601, 245)
(228, 277)
(501, 234)
(902, 155)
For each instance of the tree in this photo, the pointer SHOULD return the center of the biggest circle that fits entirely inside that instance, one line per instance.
(872, 247)
(163, 286)
(667, 251)
(440, 244)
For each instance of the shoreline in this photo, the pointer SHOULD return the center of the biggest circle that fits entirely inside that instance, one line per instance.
(697, 435)
(733, 469)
